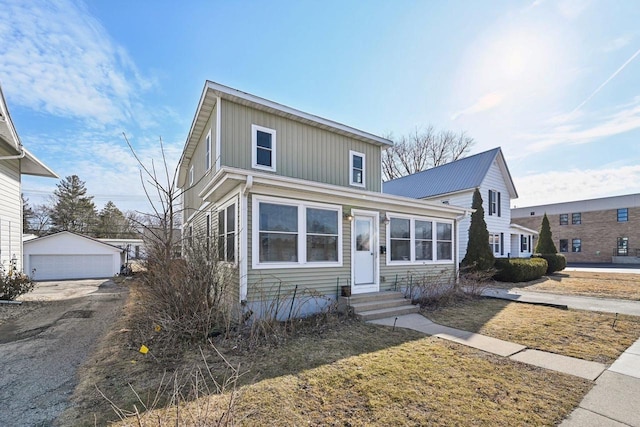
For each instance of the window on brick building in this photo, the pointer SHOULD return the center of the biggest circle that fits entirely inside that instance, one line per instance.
(576, 218)
(623, 215)
(564, 219)
(564, 245)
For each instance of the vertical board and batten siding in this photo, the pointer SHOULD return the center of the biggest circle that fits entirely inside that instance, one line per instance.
(10, 212)
(262, 284)
(302, 151)
(191, 201)
(494, 180)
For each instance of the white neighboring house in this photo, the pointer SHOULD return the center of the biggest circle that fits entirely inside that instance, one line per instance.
(66, 255)
(15, 161)
(134, 248)
(454, 184)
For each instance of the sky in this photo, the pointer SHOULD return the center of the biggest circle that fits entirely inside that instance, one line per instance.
(556, 84)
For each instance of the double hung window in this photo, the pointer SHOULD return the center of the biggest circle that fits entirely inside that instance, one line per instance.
(263, 141)
(227, 233)
(494, 203)
(576, 219)
(564, 219)
(356, 169)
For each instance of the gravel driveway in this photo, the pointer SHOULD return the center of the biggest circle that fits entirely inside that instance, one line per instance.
(43, 344)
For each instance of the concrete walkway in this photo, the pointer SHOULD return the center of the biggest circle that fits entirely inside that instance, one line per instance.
(572, 301)
(568, 365)
(613, 401)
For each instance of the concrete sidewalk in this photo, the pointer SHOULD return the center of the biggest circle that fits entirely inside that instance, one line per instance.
(572, 301)
(613, 401)
(555, 362)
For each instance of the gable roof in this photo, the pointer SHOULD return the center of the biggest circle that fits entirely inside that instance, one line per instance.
(463, 174)
(29, 164)
(82, 236)
(213, 91)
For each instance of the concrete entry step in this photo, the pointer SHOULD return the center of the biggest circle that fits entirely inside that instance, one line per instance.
(377, 305)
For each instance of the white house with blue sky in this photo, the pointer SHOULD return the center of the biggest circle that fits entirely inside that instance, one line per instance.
(454, 184)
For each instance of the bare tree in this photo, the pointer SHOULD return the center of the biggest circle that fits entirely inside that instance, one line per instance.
(423, 149)
(40, 220)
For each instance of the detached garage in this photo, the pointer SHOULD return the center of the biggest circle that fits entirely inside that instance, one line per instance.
(67, 255)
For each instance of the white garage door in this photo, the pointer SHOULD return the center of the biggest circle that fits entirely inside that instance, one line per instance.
(56, 267)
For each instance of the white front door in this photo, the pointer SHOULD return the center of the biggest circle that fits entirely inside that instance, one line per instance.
(364, 253)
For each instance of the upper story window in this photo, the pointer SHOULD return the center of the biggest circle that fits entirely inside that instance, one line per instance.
(623, 215)
(564, 219)
(263, 148)
(290, 233)
(576, 218)
(494, 203)
(207, 158)
(191, 175)
(227, 233)
(412, 240)
(356, 168)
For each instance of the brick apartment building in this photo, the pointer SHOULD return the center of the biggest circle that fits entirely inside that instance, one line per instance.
(596, 230)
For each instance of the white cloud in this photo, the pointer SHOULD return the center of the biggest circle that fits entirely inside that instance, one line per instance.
(617, 43)
(576, 184)
(56, 58)
(484, 103)
(585, 129)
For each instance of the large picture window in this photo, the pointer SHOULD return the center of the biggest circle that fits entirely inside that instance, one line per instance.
(263, 141)
(295, 234)
(419, 240)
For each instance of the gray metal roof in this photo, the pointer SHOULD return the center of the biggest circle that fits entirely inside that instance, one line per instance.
(463, 174)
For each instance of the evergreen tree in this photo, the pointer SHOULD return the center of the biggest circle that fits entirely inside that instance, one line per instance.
(27, 215)
(112, 223)
(73, 209)
(545, 243)
(479, 255)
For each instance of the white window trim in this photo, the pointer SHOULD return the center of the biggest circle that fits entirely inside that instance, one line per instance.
(302, 234)
(191, 175)
(254, 148)
(434, 235)
(207, 160)
(224, 207)
(497, 237)
(364, 169)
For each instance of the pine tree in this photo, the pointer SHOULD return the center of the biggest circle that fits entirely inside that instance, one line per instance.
(545, 243)
(73, 209)
(479, 255)
(112, 223)
(27, 215)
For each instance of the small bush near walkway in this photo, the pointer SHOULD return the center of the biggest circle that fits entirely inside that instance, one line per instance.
(520, 269)
(555, 262)
(13, 284)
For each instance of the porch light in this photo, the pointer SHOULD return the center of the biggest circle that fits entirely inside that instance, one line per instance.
(385, 219)
(347, 216)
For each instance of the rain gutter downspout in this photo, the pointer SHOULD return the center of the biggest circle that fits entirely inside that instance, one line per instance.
(15, 156)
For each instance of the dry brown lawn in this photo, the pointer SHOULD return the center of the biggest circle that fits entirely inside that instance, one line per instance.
(342, 372)
(583, 334)
(603, 285)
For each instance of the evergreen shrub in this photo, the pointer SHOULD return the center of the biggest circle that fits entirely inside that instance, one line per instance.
(555, 262)
(520, 269)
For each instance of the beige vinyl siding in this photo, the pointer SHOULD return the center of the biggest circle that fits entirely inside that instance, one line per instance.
(191, 201)
(302, 151)
(10, 211)
(263, 284)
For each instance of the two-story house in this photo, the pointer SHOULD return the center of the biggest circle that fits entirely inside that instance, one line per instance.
(295, 200)
(15, 161)
(454, 183)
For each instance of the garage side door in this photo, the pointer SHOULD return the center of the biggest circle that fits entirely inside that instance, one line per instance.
(57, 267)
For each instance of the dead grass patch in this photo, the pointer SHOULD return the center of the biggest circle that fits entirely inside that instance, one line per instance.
(583, 334)
(421, 382)
(603, 285)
